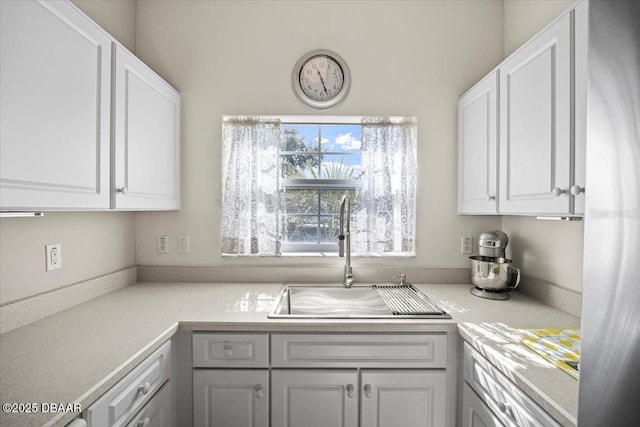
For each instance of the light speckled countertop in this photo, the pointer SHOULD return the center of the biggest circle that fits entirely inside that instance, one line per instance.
(78, 354)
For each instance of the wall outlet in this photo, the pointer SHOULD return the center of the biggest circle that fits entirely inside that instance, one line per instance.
(54, 256)
(183, 243)
(466, 245)
(163, 244)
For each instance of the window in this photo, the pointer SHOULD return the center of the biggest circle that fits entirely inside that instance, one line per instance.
(319, 164)
(283, 180)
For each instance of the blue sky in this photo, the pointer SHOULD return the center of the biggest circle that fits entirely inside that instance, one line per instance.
(338, 138)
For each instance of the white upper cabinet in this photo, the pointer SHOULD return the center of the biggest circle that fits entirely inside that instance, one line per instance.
(55, 73)
(535, 124)
(536, 117)
(581, 45)
(477, 148)
(74, 136)
(147, 137)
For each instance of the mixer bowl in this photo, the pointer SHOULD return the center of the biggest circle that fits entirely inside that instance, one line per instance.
(493, 273)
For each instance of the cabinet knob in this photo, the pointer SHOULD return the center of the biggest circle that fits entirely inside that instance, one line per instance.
(144, 388)
(259, 390)
(144, 423)
(122, 190)
(576, 190)
(490, 197)
(557, 192)
(350, 390)
(368, 390)
(505, 408)
(228, 352)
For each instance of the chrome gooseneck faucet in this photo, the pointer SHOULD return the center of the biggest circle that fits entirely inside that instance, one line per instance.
(345, 235)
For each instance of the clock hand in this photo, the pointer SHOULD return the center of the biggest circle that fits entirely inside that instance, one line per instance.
(322, 80)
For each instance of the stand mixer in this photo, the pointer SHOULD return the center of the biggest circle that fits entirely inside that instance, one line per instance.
(491, 272)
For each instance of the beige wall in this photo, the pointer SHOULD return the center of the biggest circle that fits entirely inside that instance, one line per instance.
(548, 250)
(93, 243)
(230, 57)
(524, 18)
(117, 17)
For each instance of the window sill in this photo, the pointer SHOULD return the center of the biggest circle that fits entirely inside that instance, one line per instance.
(309, 254)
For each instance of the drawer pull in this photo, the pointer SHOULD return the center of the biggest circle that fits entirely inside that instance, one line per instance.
(368, 390)
(506, 409)
(350, 390)
(259, 390)
(144, 388)
(228, 351)
(144, 423)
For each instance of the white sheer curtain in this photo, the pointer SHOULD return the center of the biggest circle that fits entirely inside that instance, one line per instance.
(250, 187)
(386, 223)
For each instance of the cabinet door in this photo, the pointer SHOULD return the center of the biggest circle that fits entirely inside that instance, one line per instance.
(147, 138)
(474, 412)
(231, 398)
(55, 88)
(477, 148)
(403, 398)
(581, 76)
(314, 398)
(535, 124)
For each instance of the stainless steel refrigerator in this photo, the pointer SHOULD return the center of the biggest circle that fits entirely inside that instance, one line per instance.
(610, 353)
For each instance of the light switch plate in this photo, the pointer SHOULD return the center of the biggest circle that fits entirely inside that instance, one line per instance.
(183, 243)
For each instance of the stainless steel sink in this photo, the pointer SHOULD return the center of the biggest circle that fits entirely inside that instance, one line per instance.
(358, 302)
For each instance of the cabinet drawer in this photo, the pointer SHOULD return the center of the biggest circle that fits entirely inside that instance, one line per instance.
(346, 350)
(230, 350)
(475, 413)
(157, 412)
(119, 404)
(504, 398)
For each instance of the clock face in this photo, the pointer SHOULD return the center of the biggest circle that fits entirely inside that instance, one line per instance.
(321, 79)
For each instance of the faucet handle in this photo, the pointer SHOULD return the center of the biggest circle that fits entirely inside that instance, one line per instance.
(403, 278)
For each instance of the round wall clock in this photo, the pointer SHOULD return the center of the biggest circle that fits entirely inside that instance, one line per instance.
(321, 79)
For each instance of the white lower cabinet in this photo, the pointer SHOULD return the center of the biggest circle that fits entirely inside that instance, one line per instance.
(142, 386)
(314, 398)
(403, 398)
(231, 398)
(157, 412)
(474, 411)
(503, 399)
(334, 398)
(320, 380)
